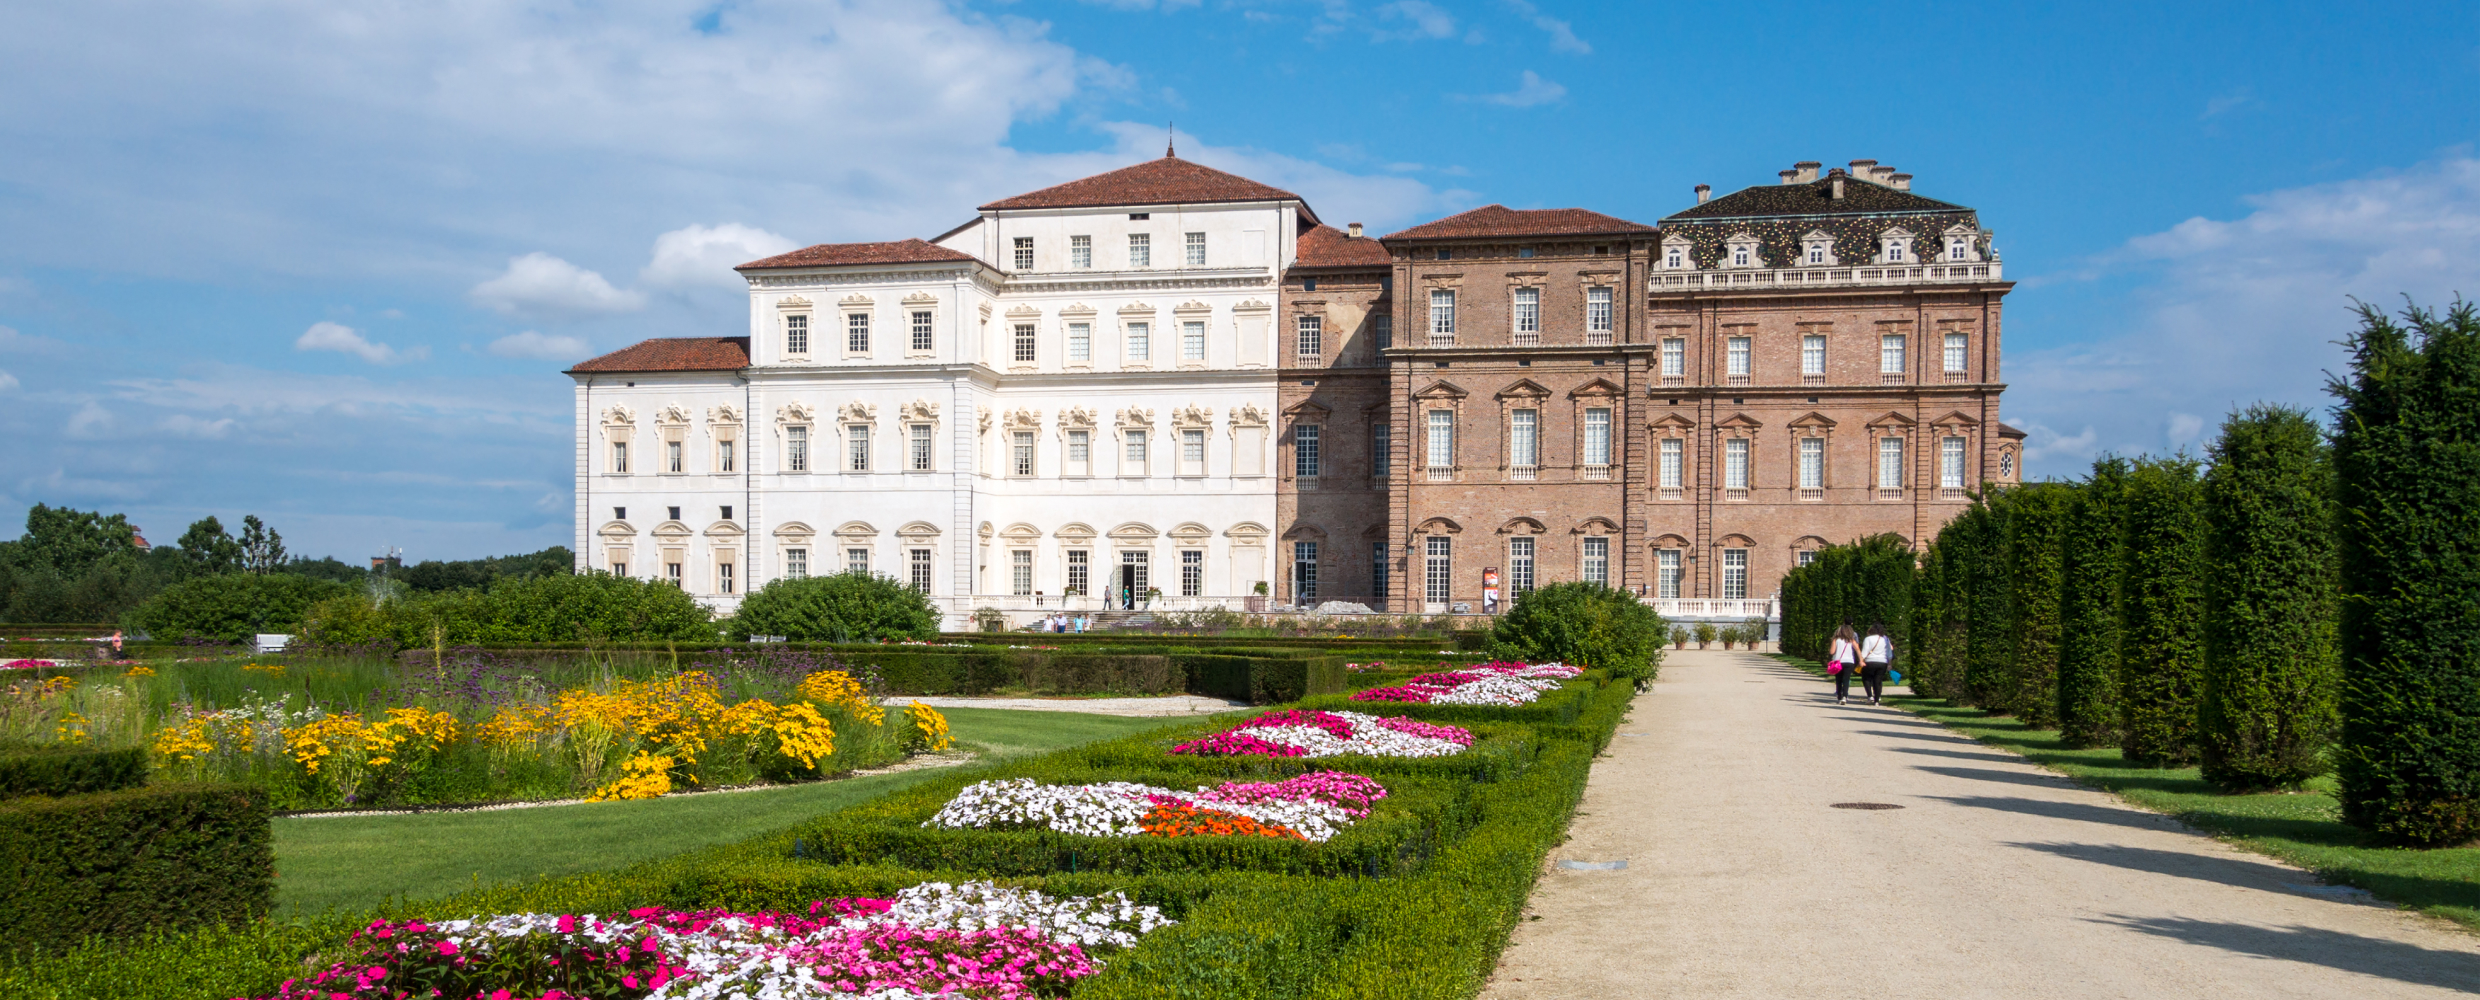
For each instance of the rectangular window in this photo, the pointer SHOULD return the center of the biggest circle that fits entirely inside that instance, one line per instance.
(1080, 251)
(1080, 571)
(1193, 340)
(1024, 343)
(1024, 253)
(1890, 354)
(1382, 326)
(1813, 354)
(727, 512)
(1674, 457)
(1136, 454)
(1020, 572)
(1950, 464)
(921, 447)
(1377, 570)
(1808, 556)
(1674, 358)
(796, 563)
(1381, 451)
(1523, 443)
(1737, 358)
(919, 560)
(1890, 463)
(1519, 566)
(857, 447)
(1812, 468)
(1441, 444)
(1597, 316)
(796, 449)
(1140, 250)
(1312, 336)
(1192, 573)
(1597, 442)
(1735, 467)
(1958, 351)
(1140, 341)
(723, 578)
(673, 458)
(1192, 451)
(1735, 574)
(1304, 572)
(924, 333)
(1441, 317)
(671, 573)
(857, 333)
(1528, 316)
(1080, 453)
(1597, 560)
(1305, 450)
(796, 334)
(1022, 454)
(619, 456)
(1438, 569)
(1080, 343)
(724, 460)
(856, 560)
(1196, 249)
(1667, 574)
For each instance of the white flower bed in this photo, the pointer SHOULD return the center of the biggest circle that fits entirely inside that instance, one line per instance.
(1369, 736)
(1116, 808)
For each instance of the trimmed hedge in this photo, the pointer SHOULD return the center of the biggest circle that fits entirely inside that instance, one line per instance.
(121, 862)
(2035, 534)
(2161, 611)
(61, 770)
(2088, 610)
(2267, 710)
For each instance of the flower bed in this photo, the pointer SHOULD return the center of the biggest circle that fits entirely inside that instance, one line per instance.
(1311, 807)
(1501, 683)
(1299, 733)
(972, 940)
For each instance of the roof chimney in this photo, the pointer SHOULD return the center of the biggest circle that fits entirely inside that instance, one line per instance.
(1902, 182)
(1356, 230)
(1882, 175)
(1788, 176)
(1704, 193)
(1862, 168)
(1807, 169)
(1836, 176)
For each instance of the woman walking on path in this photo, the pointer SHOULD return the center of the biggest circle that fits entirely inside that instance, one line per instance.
(1843, 661)
(1876, 657)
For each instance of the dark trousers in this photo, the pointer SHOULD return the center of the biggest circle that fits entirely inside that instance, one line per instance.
(1873, 679)
(1842, 682)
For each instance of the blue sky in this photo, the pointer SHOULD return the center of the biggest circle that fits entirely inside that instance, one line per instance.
(323, 261)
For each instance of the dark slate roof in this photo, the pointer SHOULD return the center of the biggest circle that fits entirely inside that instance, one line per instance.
(1327, 246)
(1813, 198)
(1167, 181)
(1781, 217)
(674, 354)
(912, 251)
(1499, 220)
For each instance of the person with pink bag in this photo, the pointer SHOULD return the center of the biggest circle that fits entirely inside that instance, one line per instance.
(1843, 661)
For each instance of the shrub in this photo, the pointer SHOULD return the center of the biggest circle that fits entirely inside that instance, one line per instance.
(1705, 633)
(1679, 635)
(2088, 610)
(845, 607)
(2267, 709)
(591, 607)
(121, 862)
(2035, 533)
(2408, 454)
(53, 769)
(1583, 624)
(2161, 610)
(352, 620)
(231, 607)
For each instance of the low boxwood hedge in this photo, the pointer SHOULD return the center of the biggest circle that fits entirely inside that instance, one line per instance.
(125, 861)
(68, 770)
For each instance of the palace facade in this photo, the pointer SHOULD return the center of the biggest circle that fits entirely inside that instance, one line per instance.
(1171, 379)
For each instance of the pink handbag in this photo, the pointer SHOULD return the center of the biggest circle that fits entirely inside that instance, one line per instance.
(1835, 667)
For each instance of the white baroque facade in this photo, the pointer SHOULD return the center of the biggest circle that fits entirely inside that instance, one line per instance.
(1074, 391)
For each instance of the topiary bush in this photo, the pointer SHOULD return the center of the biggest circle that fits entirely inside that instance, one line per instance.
(845, 607)
(2161, 611)
(124, 861)
(2088, 610)
(231, 607)
(2035, 537)
(2271, 673)
(1583, 624)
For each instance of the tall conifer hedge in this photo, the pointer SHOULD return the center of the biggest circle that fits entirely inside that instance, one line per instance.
(2408, 455)
(2161, 609)
(1933, 633)
(2088, 610)
(1989, 650)
(2270, 673)
(2035, 536)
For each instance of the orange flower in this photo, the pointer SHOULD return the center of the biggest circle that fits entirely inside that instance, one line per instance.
(1190, 821)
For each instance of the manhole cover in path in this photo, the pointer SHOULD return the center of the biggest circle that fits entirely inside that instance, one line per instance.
(1866, 805)
(1593, 866)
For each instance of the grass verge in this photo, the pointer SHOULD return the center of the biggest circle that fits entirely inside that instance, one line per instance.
(2304, 828)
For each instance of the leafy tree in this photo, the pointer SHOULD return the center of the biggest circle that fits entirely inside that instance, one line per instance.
(431, 576)
(592, 607)
(69, 542)
(328, 568)
(262, 550)
(208, 547)
(2088, 609)
(845, 607)
(348, 621)
(2035, 547)
(2271, 674)
(2161, 610)
(2407, 451)
(230, 607)
(1584, 624)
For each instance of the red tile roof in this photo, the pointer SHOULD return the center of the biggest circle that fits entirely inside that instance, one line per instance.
(1167, 181)
(674, 354)
(1499, 220)
(1327, 246)
(912, 251)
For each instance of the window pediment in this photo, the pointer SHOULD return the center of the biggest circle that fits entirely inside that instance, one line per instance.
(1023, 312)
(855, 530)
(1193, 415)
(1305, 408)
(855, 299)
(1439, 526)
(796, 413)
(1740, 422)
(1248, 415)
(1020, 532)
(1134, 530)
(1673, 421)
(1441, 389)
(1074, 530)
(919, 409)
(794, 530)
(1814, 420)
(858, 413)
(1955, 418)
(1892, 419)
(921, 299)
(1521, 526)
(1076, 416)
(1595, 526)
(792, 302)
(1136, 416)
(1524, 389)
(1023, 418)
(1136, 309)
(1247, 532)
(1191, 531)
(1597, 387)
(918, 530)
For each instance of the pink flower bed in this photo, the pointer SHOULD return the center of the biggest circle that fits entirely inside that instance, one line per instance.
(1301, 733)
(1502, 683)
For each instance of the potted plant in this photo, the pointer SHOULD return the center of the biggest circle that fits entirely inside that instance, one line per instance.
(1728, 634)
(1257, 599)
(1704, 634)
(1679, 637)
(1152, 594)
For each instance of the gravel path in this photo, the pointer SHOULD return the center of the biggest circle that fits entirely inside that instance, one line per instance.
(1144, 708)
(1996, 879)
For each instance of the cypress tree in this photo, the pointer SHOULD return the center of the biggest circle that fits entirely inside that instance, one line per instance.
(2088, 610)
(1926, 643)
(2161, 609)
(2035, 543)
(2407, 451)
(2270, 673)
(1989, 654)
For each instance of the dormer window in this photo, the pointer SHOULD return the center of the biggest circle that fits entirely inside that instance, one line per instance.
(1742, 250)
(1739, 256)
(1817, 249)
(1894, 246)
(1958, 248)
(1675, 255)
(1894, 253)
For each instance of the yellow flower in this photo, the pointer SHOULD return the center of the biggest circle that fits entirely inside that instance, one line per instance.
(140, 671)
(803, 735)
(514, 727)
(265, 668)
(837, 689)
(929, 729)
(647, 776)
(72, 728)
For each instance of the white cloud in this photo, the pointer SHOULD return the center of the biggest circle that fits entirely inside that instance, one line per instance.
(184, 425)
(7, 381)
(549, 347)
(2251, 308)
(1417, 20)
(90, 421)
(1530, 90)
(1562, 35)
(2225, 103)
(327, 336)
(13, 342)
(705, 255)
(542, 285)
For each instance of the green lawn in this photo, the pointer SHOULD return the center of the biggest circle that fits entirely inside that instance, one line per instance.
(2304, 828)
(357, 862)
